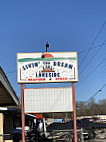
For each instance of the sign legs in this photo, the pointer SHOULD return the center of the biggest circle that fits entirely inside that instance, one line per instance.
(74, 111)
(22, 113)
(23, 116)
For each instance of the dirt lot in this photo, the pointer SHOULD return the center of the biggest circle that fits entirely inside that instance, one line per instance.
(97, 140)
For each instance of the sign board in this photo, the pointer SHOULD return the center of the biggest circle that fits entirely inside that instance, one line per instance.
(44, 100)
(47, 67)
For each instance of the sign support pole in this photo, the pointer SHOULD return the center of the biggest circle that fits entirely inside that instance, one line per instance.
(22, 113)
(74, 111)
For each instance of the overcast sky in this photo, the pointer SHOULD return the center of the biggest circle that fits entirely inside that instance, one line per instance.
(68, 25)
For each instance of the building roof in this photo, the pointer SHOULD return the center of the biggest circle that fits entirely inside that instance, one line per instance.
(15, 112)
(8, 96)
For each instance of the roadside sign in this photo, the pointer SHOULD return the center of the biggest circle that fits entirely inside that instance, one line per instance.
(47, 67)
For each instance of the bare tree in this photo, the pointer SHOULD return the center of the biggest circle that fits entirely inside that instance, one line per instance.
(91, 108)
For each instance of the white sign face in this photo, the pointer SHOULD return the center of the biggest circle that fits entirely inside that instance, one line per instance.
(47, 67)
(48, 100)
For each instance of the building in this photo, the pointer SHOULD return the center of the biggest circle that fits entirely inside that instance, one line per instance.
(10, 112)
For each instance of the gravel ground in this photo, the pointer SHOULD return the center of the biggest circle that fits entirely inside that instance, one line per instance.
(97, 140)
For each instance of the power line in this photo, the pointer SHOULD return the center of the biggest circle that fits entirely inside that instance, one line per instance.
(98, 78)
(93, 71)
(93, 95)
(11, 72)
(78, 53)
(92, 58)
(93, 43)
(91, 48)
(16, 70)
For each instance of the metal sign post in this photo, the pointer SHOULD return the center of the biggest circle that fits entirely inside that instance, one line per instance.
(22, 113)
(74, 111)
